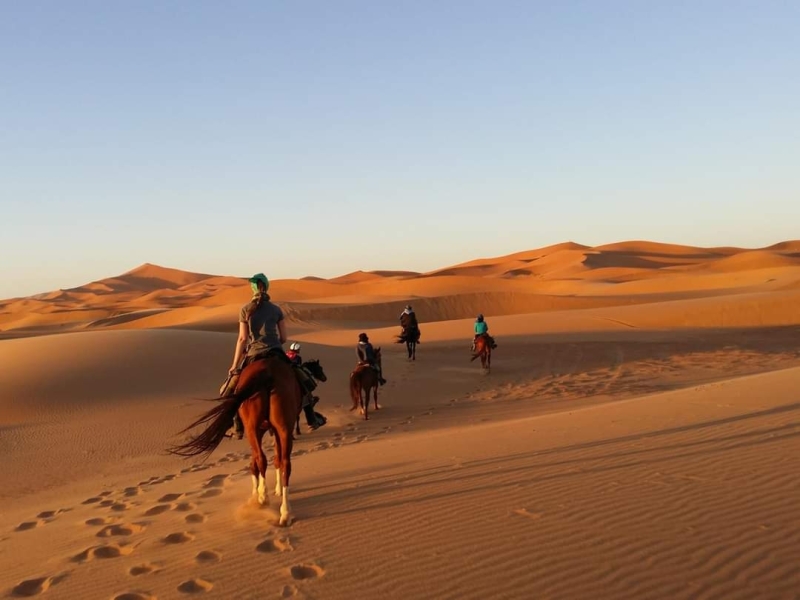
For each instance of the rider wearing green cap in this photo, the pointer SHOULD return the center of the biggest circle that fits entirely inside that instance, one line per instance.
(261, 325)
(262, 333)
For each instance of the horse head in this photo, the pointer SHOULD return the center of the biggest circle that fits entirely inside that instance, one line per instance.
(315, 368)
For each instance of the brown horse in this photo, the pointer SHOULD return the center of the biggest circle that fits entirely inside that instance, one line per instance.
(364, 379)
(483, 348)
(267, 397)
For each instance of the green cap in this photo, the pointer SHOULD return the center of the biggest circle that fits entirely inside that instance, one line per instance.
(256, 278)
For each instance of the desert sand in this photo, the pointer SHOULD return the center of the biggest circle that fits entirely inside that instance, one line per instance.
(638, 435)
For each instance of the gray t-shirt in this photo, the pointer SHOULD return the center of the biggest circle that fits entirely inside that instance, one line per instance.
(263, 327)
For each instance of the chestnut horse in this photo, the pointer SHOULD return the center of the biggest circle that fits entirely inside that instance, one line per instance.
(267, 397)
(483, 348)
(364, 379)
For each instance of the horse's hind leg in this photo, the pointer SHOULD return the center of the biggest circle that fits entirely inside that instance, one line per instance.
(258, 467)
(284, 441)
(375, 397)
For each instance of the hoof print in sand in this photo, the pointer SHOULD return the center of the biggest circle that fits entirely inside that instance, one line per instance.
(195, 518)
(28, 525)
(143, 569)
(211, 493)
(112, 530)
(98, 521)
(135, 596)
(185, 506)
(178, 538)
(170, 497)
(275, 545)
(195, 586)
(288, 591)
(34, 587)
(157, 510)
(102, 552)
(208, 556)
(49, 514)
(217, 481)
(301, 572)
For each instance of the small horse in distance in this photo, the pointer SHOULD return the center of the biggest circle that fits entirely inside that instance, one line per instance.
(364, 379)
(411, 338)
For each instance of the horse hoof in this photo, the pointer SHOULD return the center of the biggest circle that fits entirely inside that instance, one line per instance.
(286, 520)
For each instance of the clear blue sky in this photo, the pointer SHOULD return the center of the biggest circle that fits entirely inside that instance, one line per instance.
(302, 137)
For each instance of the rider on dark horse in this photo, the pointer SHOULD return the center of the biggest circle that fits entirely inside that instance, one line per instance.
(366, 355)
(482, 329)
(408, 321)
(308, 385)
(262, 333)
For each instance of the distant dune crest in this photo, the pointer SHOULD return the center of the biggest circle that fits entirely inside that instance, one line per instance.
(567, 276)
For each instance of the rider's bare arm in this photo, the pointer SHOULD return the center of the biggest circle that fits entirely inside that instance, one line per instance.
(241, 342)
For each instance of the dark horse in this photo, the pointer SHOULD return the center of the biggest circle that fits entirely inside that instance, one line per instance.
(483, 348)
(411, 338)
(364, 379)
(267, 397)
(313, 368)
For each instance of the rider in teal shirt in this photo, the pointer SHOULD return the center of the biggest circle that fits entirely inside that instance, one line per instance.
(482, 329)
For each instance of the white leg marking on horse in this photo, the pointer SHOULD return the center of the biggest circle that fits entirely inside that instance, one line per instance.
(277, 482)
(286, 514)
(262, 490)
(255, 485)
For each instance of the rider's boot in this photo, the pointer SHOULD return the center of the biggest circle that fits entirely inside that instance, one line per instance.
(238, 427)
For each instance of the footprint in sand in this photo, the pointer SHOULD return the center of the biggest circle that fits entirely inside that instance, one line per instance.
(195, 518)
(310, 571)
(148, 481)
(135, 596)
(112, 530)
(195, 468)
(288, 591)
(211, 493)
(104, 494)
(275, 545)
(104, 551)
(144, 569)
(217, 481)
(28, 525)
(178, 538)
(92, 500)
(130, 492)
(158, 510)
(119, 507)
(34, 587)
(195, 586)
(49, 514)
(185, 506)
(98, 521)
(208, 556)
(170, 497)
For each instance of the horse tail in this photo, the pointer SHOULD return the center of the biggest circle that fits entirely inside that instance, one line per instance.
(355, 389)
(218, 420)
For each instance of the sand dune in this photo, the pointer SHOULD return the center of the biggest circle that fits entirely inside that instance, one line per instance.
(524, 282)
(637, 435)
